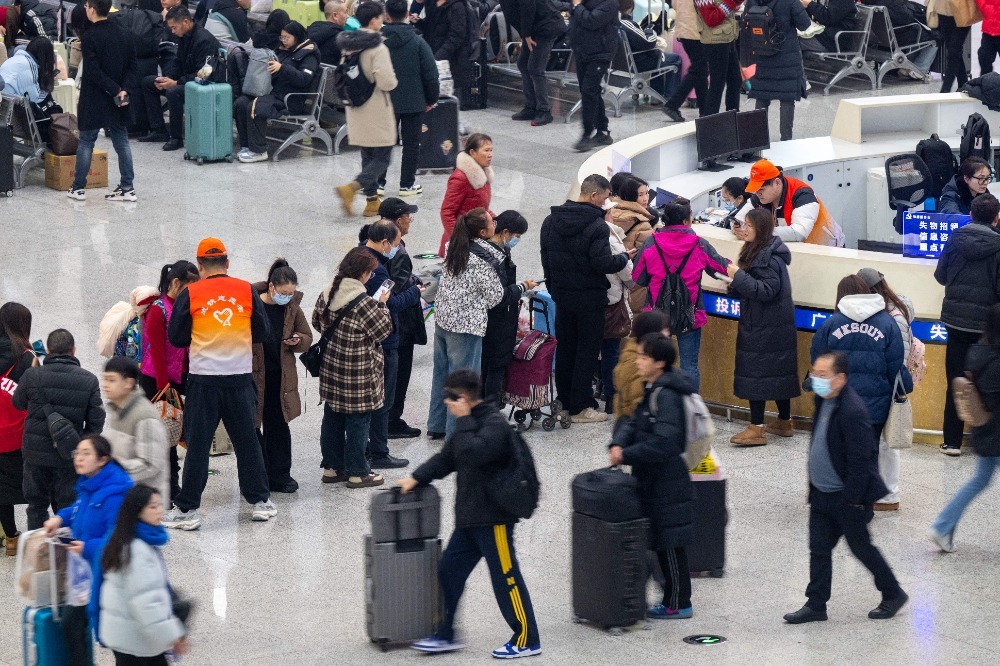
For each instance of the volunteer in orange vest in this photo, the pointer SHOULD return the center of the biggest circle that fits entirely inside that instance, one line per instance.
(799, 215)
(220, 318)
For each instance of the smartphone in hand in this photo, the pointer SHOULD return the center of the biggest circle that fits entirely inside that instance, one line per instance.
(385, 286)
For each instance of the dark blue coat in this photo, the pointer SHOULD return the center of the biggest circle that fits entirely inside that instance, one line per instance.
(781, 76)
(969, 269)
(396, 303)
(874, 347)
(593, 30)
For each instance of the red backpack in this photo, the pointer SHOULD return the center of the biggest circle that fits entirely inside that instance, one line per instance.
(11, 419)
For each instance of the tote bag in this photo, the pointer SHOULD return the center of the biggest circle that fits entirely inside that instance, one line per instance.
(898, 430)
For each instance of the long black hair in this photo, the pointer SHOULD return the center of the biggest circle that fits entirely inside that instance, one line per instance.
(15, 323)
(40, 49)
(467, 228)
(117, 551)
(297, 31)
(182, 270)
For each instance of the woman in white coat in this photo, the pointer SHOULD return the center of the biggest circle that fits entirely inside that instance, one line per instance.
(621, 283)
(137, 608)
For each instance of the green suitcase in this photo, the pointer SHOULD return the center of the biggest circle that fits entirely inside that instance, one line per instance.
(208, 122)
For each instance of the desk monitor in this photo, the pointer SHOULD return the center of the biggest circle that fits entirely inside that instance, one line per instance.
(752, 131)
(663, 197)
(717, 139)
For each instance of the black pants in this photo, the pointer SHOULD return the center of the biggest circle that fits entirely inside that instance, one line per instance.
(378, 429)
(954, 365)
(154, 112)
(410, 126)
(251, 115)
(47, 486)
(7, 521)
(696, 78)
(274, 435)
(374, 162)
(580, 331)
(757, 410)
(531, 63)
(493, 377)
(75, 627)
(724, 72)
(590, 74)
(954, 43)
(466, 547)
(786, 116)
(148, 386)
(233, 400)
(989, 49)
(676, 577)
(830, 517)
(403, 373)
(122, 659)
(138, 115)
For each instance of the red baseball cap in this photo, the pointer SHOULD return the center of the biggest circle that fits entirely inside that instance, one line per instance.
(211, 247)
(761, 172)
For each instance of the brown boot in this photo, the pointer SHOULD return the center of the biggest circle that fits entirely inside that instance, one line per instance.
(11, 543)
(371, 208)
(752, 436)
(346, 194)
(781, 428)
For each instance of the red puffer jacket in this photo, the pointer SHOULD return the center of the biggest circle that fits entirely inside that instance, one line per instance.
(991, 16)
(468, 188)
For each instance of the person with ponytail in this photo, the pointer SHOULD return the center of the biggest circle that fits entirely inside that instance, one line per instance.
(275, 373)
(15, 357)
(351, 378)
(470, 287)
(137, 609)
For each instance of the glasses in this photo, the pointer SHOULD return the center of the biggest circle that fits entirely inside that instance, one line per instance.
(984, 180)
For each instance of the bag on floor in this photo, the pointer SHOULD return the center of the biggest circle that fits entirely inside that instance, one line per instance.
(968, 403)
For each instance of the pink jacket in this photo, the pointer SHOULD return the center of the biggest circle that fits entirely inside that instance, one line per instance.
(991, 16)
(675, 242)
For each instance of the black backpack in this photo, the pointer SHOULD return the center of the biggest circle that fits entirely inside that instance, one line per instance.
(236, 66)
(976, 139)
(940, 159)
(759, 33)
(144, 26)
(674, 298)
(515, 487)
(352, 86)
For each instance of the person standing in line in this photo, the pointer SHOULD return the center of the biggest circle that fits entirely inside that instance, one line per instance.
(469, 186)
(16, 357)
(954, 38)
(540, 25)
(843, 485)
(108, 65)
(219, 318)
(275, 372)
(696, 78)
(621, 285)
(482, 442)
(718, 30)
(766, 359)
(969, 269)
(630, 386)
(593, 34)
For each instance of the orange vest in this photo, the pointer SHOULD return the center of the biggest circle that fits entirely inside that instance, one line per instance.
(826, 231)
(221, 343)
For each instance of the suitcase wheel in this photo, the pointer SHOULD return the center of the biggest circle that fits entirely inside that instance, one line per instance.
(186, 156)
(230, 159)
(9, 193)
(549, 424)
(201, 160)
(578, 620)
(616, 631)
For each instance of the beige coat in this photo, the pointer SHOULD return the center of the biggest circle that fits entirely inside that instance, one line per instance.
(373, 124)
(635, 221)
(686, 21)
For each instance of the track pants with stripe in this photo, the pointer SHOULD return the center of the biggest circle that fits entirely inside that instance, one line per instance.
(467, 546)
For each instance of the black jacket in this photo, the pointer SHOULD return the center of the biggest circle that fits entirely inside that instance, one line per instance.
(969, 269)
(109, 65)
(593, 30)
(854, 449)
(653, 441)
(956, 197)
(236, 15)
(416, 71)
(766, 358)
(781, 76)
(192, 51)
(501, 319)
(576, 252)
(16, 361)
(324, 35)
(38, 20)
(299, 68)
(480, 444)
(538, 19)
(986, 89)
(446, 29)
(69, 390)
(836, 15)
(397, 303)
(983, 361)
(412, 328)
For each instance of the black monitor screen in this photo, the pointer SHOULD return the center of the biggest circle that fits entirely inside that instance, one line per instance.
(751, 128)
(716, 135)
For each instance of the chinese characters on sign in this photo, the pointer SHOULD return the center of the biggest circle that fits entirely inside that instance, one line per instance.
(926, 234)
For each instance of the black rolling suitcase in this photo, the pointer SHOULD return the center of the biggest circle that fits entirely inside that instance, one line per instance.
(6, 161)
(707, 552)
(439, 141)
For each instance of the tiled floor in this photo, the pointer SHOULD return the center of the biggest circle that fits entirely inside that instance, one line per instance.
(290, 591)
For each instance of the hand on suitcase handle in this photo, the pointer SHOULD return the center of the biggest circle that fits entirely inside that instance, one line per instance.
(407, 485)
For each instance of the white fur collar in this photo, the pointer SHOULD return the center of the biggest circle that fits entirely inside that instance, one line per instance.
(477, 175)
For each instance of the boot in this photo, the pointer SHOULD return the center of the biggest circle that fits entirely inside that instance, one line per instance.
(346, 193)
(371, 208)
(11, 543)
(781, 428)
(752, 436)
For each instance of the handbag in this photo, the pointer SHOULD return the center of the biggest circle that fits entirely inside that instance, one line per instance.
(932, 15)
(312, 358)
(617, 319)
(170, 405)
(965, 12)
(64, 137)
(898, 429)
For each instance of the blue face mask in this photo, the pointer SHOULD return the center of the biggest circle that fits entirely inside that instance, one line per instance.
(281, 299)
(392, 252)
(512, 242)
(729, 206)
(821, 386)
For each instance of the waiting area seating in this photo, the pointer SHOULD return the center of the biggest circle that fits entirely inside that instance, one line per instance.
(16, 113)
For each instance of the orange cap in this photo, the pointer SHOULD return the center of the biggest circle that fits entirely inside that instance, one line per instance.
(761, 172)
(211, 247)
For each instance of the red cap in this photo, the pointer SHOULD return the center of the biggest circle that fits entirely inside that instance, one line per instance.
(761, 172)
(211, 247)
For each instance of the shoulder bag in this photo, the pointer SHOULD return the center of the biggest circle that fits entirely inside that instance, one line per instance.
(898, 430)
(617, 318)
(312, 358)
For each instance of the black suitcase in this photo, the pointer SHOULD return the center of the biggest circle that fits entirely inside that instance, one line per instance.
(609, 571)
(439, 142)
(707, 552)
(607, 494)
(476, 96)
(6, 161)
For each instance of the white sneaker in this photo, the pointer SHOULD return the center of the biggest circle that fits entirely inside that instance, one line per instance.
(509, 651)
(381, 190)
(78, 195)
(181, 520)
(411, 191)
(250, 157)
(264, 511)
(121, 194)
(589, 415)
(945, 543)
(436, 645)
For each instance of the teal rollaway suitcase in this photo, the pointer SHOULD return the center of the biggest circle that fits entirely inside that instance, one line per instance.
(208, 122)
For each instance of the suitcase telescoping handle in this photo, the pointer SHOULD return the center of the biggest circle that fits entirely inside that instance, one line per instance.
(52, 574)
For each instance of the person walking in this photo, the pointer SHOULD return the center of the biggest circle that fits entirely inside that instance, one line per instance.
(766, 359)
(696, 78)
(108, 65)
(843, 485)
(593, 35)
(469, 185)
(630, 386)
(16, 357)
(275, 373)
(481, 443)
(540, 25)
(954, 37)
(969, 269)
(219, 317)
(351, 379)
(138, 619)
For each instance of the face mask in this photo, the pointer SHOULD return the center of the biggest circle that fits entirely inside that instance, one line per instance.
(512, 242)
(821, 386)
(281, 299)
(729, 206)
(392, 252)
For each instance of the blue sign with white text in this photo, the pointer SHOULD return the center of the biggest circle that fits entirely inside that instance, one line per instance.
(925, 234)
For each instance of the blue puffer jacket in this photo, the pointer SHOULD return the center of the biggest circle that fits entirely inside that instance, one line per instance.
(92, 518)
(869, 336)
(20, 76)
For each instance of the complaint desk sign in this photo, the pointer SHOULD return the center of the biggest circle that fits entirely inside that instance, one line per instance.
(925, 234)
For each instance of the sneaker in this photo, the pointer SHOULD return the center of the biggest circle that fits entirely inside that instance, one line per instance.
(173, 144)
(433, 644)
(121, 194)
(411, 191)
(333, 476)
(525, 114)
(78, 195)
(589, 415)
(264, 511)
(250, 157)
(673, 114)
(951, 450)
(367, 481)
(583, 145)
(181, 520)
(946, 542)
(543, 118)
(243, 151)
(603, 139)
(509, 651)
(661, 612)
(154, 137)
(889, 607)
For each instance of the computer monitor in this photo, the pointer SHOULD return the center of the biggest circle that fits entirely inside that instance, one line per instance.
(752, 131)
(716, 137)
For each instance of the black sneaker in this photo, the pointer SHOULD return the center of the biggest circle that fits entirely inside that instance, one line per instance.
(402, 430)
(289, 486)
(435, 435)
(805, 614)
(524, 114)
(542, 118)
(603, 139)
(951, 450)
(121, 194)
(173, 144)
(889, 607)
(388, 462)
(584, 144)
(673, 114)
(154, 137)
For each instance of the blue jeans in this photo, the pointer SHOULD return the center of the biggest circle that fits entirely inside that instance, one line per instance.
(452, 351)
(85, 152)
(610, 348)
(378, 432)
(342, 440)
(688, 347)
(950, 515)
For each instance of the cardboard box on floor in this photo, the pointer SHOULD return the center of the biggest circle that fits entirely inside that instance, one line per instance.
(61, 169)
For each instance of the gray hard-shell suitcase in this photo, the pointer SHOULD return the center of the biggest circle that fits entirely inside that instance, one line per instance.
(399, 517)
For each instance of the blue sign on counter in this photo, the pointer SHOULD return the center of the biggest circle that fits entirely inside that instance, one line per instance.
(810, 319)
(925, 234)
